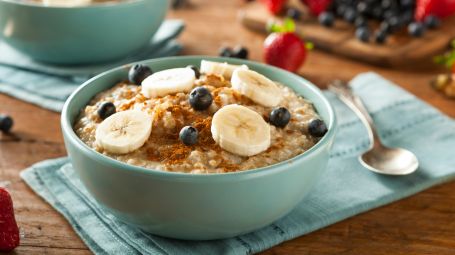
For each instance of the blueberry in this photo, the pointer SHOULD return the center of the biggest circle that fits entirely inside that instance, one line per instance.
(326, 19)
(226, 52)
(360, 21)
(188, 135)
(377, 12)
(294, 14)
(362, 7)
(138, 73)
(340, 10)
(380, 36)
(385, 26)
(363, 34)
(386, 4)
(280, 117)
(416, 29)
(432, 21)
(197, 73)
(407, 4)
(200, 98)
(407, 17)
(317, 128)
(350, 14)
(106, 109)
(389, 13)
(240, 52)
(6, 123)
(394, 22)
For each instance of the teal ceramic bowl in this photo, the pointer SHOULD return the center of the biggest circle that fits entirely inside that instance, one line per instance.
(197, 206)
(80, 35)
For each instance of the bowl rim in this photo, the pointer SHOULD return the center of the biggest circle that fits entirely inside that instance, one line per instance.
(67, 129)
(29, 3)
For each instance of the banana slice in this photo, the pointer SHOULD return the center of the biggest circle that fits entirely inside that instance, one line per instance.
(240, 130)
(167, 82)
(66, 3)
(223, 69)
(124, 132)
(257, 87)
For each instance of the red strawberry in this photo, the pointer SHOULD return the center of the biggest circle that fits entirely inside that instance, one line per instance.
(9, 232)
(274, 6)
(440, 8)
(317, 6)
(285, 50)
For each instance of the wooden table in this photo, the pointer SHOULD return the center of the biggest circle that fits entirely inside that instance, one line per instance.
(422, 224)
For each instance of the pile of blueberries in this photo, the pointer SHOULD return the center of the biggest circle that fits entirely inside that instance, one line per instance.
(392, 15)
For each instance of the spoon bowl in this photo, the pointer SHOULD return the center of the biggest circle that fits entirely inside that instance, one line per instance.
(392, 161)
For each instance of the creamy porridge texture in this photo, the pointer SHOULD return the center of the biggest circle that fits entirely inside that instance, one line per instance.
(228, 118)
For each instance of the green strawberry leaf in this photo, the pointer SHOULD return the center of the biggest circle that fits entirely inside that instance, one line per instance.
(448, 58)
(274, 27)
(289, 25)
(309, 45)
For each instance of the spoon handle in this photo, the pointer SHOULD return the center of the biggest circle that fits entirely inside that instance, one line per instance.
(345, 94)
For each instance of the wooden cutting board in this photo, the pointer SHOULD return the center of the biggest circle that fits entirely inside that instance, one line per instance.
(400, 49)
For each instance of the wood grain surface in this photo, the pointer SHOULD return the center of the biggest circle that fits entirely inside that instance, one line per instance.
(422, 224)
(399, 49)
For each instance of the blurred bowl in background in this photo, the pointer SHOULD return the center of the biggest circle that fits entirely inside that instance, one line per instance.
(80, 35)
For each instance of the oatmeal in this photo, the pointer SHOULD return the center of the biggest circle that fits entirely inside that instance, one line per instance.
(228, 118)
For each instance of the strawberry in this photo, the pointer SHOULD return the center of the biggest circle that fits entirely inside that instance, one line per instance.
(440, 8)
(9, 232)
(316, 7)
(284, 48)
(274, 6)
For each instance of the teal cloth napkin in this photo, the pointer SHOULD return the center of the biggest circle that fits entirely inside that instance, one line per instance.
(346, 188)
(48, 85)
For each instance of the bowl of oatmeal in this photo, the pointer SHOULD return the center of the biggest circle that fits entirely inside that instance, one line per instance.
(198, 148)
(79, 31)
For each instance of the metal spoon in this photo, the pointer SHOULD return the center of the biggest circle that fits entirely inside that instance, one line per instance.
(379, 158)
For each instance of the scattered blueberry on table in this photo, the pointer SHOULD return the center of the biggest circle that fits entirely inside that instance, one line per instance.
(238, 52)
(200, 98)
(317, 128)
(363, 34)
(294, 14)
(280, 117)
(225, 52)
(380, 36)
(416, 29)
(6, 123)
(106, 109)
(188, 135)
(138, 73)
(326, 19)
(432, 21)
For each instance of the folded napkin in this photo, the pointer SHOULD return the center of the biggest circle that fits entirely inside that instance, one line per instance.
(346, 189)
(49, 85)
